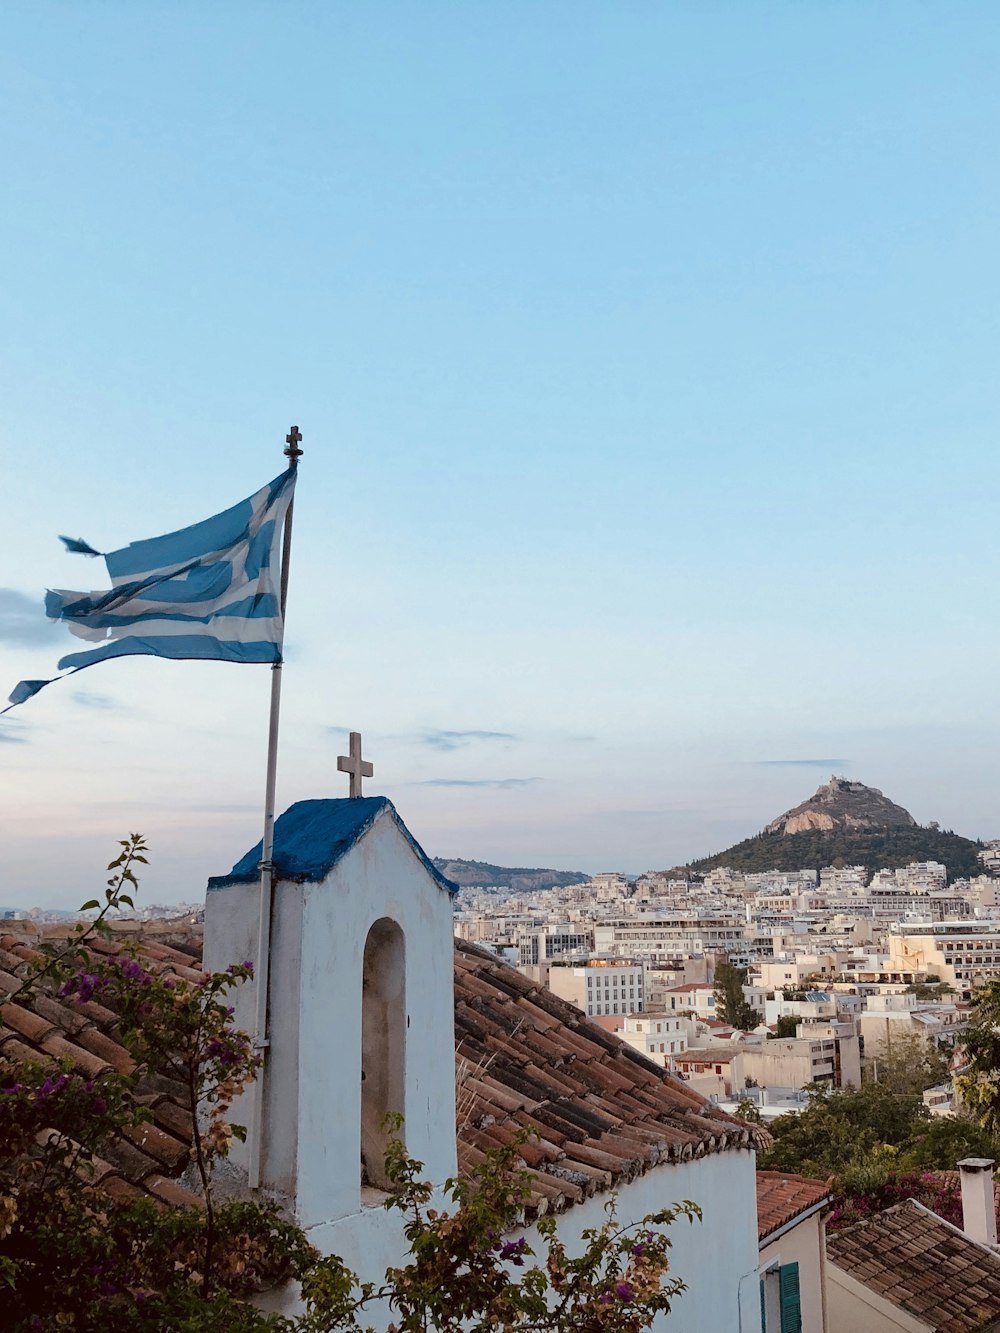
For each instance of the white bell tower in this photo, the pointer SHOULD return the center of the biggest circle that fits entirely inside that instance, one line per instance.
(361, 1005)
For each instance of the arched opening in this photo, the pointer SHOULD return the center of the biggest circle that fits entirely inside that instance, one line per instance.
(383, 1043)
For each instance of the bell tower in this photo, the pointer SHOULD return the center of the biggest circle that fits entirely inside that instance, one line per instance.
(361, 1003)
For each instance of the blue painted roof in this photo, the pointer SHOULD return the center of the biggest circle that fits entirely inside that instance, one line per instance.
(312, 836)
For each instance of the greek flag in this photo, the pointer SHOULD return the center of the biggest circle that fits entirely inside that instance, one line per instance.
(209, 591)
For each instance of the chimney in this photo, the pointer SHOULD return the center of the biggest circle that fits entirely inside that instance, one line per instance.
(979, 1214)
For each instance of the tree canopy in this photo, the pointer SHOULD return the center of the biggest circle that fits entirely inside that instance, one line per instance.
(876, 849)
(730, 1003)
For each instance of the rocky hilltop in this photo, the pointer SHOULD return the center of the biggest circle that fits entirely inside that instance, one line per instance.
(841, 804)
(480, 874)
(846, 823)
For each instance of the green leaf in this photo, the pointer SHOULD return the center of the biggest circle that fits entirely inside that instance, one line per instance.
(88, 906)
(124, 898)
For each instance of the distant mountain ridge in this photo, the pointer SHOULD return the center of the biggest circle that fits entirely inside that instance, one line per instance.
(846, 823)
(481, 874)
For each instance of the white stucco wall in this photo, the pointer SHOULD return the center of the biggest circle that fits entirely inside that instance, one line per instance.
(311, 1153)
(716, 1257)
(804, 1244)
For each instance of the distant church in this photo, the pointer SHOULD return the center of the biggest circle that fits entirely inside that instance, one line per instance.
(375, 1008)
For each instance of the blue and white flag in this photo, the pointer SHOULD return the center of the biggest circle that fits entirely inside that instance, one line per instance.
(209, 591)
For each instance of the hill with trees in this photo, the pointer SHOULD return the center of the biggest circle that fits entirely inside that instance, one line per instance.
(846, 823)
(875, 849)
(481, 874)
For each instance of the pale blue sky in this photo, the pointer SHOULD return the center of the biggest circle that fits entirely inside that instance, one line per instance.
(646, 360)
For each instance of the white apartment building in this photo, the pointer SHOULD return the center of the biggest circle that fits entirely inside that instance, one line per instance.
(791, 970)
(890, 1015)
(691, 997)
(657, 1036)
(610, 885)
(661, 938)
(821, 1053)
(965, 954)
(850, 881)
(557, 940)
(600, 986)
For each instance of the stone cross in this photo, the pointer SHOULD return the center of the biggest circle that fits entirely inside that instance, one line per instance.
(357, 767)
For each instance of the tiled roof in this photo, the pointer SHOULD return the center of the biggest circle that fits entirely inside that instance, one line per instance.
(781, 1198)
(147, 1161)
(923, 1265)
(602, 1112)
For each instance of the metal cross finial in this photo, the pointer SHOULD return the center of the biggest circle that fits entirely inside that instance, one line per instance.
(357, 767)
(293, 439)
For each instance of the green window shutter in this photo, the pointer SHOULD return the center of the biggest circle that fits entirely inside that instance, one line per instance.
(791, 1306)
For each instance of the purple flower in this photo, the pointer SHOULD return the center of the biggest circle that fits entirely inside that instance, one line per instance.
(132, 970)
(511, 1251)
(223, 1051)
(624, 1291)
(50, 1088)
(605, 1298)
(639, 1249)
(83, 987)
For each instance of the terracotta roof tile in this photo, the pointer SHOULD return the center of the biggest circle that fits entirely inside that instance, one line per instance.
(122, 1191)
(170, 1152)
(924, 1265)
(534, 1061)
(92, 1039)
(32, 1026)
(169, 1191)
(782, 1197)
(61, 1049)
(44, 1026)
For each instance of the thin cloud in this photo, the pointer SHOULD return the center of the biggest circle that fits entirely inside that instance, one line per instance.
(477, 782)
(438, 739)
(23, 621)
(8, 737)
(87, 700)
(801, 763)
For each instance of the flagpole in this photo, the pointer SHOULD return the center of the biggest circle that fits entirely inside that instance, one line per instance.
(262, 971)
